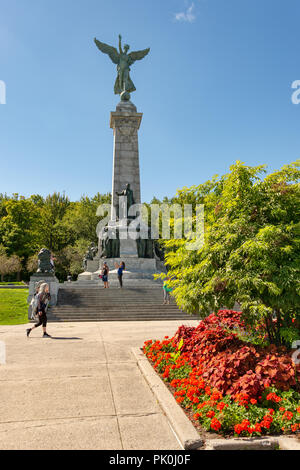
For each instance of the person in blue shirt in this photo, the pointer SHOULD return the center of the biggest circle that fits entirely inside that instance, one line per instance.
(120, 267)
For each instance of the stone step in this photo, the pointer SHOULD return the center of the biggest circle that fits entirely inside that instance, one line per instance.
(125, 317)
(114, 312)
(111, 304)
(169, 308)
(154, 308)
(118, 319)
(135, 303)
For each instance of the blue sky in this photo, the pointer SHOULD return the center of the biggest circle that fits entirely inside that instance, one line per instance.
(215, 88)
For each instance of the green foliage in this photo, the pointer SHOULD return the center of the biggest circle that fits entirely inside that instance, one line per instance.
(19, 220)
(54, 222)
(288, 335)
(251, 251)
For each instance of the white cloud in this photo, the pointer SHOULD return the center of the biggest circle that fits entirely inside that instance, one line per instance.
(188, 15)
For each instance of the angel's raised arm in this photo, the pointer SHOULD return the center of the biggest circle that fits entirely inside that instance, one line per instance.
(120, 44)
(109, 50)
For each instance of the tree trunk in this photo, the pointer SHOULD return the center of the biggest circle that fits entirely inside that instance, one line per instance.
(269, 326)
(277, 328)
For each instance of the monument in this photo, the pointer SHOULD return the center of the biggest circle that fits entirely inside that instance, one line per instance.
(140, 254)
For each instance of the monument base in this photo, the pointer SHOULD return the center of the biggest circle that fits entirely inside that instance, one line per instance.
(135, 269)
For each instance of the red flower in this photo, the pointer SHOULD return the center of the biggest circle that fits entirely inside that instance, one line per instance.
(238, 428)
(274, 397)
(258, 428)
(221, 406)
(288, 415)
(210, 414)
(215, 424)
(216, 395)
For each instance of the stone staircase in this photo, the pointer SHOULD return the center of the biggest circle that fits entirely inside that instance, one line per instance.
(94, 303)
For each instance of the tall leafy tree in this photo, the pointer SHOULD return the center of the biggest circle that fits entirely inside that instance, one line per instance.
(81, 219)
(53, 233)
(18, 226)
(251, 252)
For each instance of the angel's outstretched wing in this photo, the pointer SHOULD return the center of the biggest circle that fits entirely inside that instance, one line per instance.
(138, 55)
(110, 50)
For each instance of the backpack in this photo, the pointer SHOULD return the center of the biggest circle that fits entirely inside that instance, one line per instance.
(33, 305)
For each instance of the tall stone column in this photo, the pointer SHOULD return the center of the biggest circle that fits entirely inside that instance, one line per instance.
(125, 122)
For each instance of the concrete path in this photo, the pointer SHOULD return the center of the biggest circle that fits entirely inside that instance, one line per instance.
(81, 389)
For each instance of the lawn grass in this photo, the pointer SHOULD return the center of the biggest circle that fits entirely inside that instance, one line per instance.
(12, 284)
(13, 306)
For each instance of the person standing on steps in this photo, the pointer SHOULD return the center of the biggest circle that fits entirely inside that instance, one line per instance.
(43, 299)
(167, 291)
(105, 272)
(120, 267)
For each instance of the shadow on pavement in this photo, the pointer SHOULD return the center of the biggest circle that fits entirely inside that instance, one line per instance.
(61, 337)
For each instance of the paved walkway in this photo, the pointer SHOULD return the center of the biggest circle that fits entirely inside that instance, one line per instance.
(81, 389)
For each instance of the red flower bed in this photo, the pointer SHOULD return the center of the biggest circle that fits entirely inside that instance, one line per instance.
(231, 385)
(231, 365)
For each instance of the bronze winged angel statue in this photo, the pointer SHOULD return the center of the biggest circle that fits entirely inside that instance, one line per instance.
(123, 85)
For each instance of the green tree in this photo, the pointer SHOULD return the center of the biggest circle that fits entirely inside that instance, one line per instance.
(53, 233)
(81, 219)
(9, 265)
(71, 257)
(32, 263)
(18, 226)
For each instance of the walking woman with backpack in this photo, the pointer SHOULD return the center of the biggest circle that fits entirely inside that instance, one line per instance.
(43, 298)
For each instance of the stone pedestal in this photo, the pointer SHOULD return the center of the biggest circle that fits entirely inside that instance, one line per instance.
(125, 122)
(92, 265)
(135, 269)
(51, 280)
